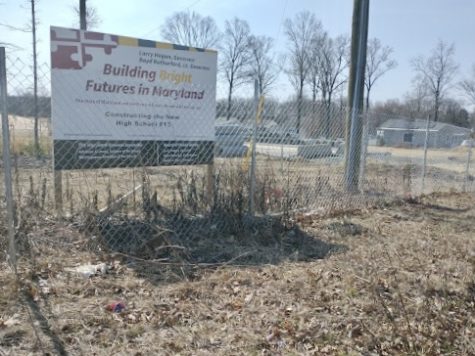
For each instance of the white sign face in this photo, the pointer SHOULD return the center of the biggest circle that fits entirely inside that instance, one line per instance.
(114, 88)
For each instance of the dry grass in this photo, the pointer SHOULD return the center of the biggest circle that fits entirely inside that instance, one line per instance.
(404, 285)
(21, 135)
(313, 184)
(454, 159)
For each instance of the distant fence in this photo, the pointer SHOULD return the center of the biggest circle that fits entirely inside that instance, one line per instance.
(276, 159)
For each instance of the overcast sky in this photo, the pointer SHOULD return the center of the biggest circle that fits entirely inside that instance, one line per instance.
(410, 27)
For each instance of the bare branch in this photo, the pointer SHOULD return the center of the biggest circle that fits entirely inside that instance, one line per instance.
(15, 28)
(328, 64)
(301, 31)
(378, 62)
(12, 47)
(436, 72)
(418, 101)
(235, 55)
(467, 86)
(261, 63)
(191, 29)
(93, 20)
(332, 63)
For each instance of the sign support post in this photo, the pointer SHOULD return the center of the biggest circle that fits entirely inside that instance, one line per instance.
(6, 160)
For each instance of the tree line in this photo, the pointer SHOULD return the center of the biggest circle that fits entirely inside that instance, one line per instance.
(317, 63)
(316, 66)
(314, 61)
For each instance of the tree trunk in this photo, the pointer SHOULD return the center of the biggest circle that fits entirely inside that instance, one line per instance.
(230, 96)
(323, 123)
(368, 89)
(261, 87)
(328, 115)
(299, 107)
(436, 107)
(314, 90)
(314, 129)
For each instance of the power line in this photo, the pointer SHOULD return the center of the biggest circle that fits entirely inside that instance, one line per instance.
(158, 27)
(281, 21)
(193, 4)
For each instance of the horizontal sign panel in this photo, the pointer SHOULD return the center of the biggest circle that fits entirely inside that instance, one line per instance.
(108, 154)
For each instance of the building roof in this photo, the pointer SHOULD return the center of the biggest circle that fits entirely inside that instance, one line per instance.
(222, 120)
(416, 124)
(264, 124)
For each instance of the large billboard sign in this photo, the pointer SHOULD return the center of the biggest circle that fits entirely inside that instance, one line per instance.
(120, 101)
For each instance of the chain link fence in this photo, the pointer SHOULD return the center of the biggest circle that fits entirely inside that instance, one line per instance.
(270, 161)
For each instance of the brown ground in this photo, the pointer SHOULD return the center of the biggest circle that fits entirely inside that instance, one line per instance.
(454, 159)
(397, 279)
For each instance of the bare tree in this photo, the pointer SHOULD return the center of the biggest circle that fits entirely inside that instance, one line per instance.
(261, 62)
(468, 86)
(93, 20)
(313, 78)
(300, 32)
(436, 72)
(332, 62)
(191, 29)
(235, 56)
(314, 54)
(418, 102)
(378, 62)
(452, 112)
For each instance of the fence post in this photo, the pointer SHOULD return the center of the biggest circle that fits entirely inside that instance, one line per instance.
(210, 183)
(252, 173)
(58, 190)
(424, 164)
(6, 160)
(467, 166)
(353, 130)
(282, 156)
(364, 151)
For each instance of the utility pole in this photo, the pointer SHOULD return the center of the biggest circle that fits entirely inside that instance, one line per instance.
(426, 146)
(36, 138)
(354, 122)
(58, 176)
(82, 15)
